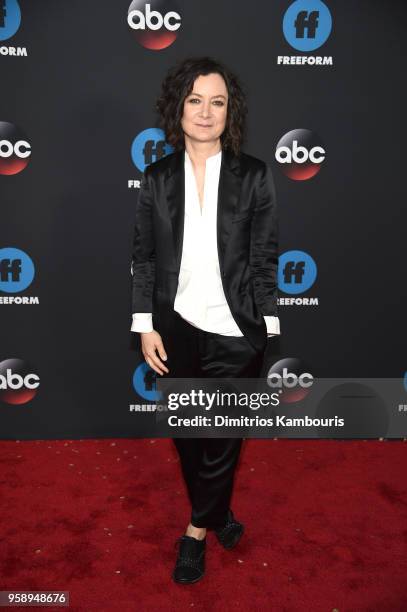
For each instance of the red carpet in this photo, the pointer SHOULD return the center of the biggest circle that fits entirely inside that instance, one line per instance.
(326, 526)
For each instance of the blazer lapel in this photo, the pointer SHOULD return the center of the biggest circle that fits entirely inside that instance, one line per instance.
(174, 189)
(230, 182)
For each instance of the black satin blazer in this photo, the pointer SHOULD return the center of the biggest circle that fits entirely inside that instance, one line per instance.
(247, 239)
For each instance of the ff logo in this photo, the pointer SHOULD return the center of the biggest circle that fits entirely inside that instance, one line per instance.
(300, 154)
(307, 24)
(149, 146)
(154, 24)
(16, 270)
(18, 384)
(10, 18)
(144, 382)
(290, 378)
(15, 151)
(297, 272)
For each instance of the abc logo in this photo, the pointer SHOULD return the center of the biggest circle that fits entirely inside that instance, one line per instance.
(15, 150)
(291, 377)
(15, 381)
(300, 154)
(18, 383)
(289, 380)
(155, 28)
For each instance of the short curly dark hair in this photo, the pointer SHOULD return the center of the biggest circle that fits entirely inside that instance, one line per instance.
(178, 84)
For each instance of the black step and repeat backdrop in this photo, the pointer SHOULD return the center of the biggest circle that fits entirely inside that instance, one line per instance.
(79, 80)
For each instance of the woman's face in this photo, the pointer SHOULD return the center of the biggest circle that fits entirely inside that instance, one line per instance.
(205, 109)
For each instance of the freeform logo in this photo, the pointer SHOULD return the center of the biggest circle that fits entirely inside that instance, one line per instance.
(307, 25)
(297, 272)
(15, 150)
(300, 154)
(18, 382)
(155, 24)
(10, 20)
(17, 272)
(147, 147)
(144, 382)
(291, 379)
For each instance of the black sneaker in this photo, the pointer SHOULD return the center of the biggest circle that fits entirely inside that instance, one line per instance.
(190, 564)
(230, 533)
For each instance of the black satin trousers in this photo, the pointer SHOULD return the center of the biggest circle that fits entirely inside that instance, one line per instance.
(208, 464)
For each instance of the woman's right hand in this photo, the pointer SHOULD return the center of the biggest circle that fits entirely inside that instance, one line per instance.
(150, 343)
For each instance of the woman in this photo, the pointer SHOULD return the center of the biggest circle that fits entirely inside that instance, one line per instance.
(204, 266)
